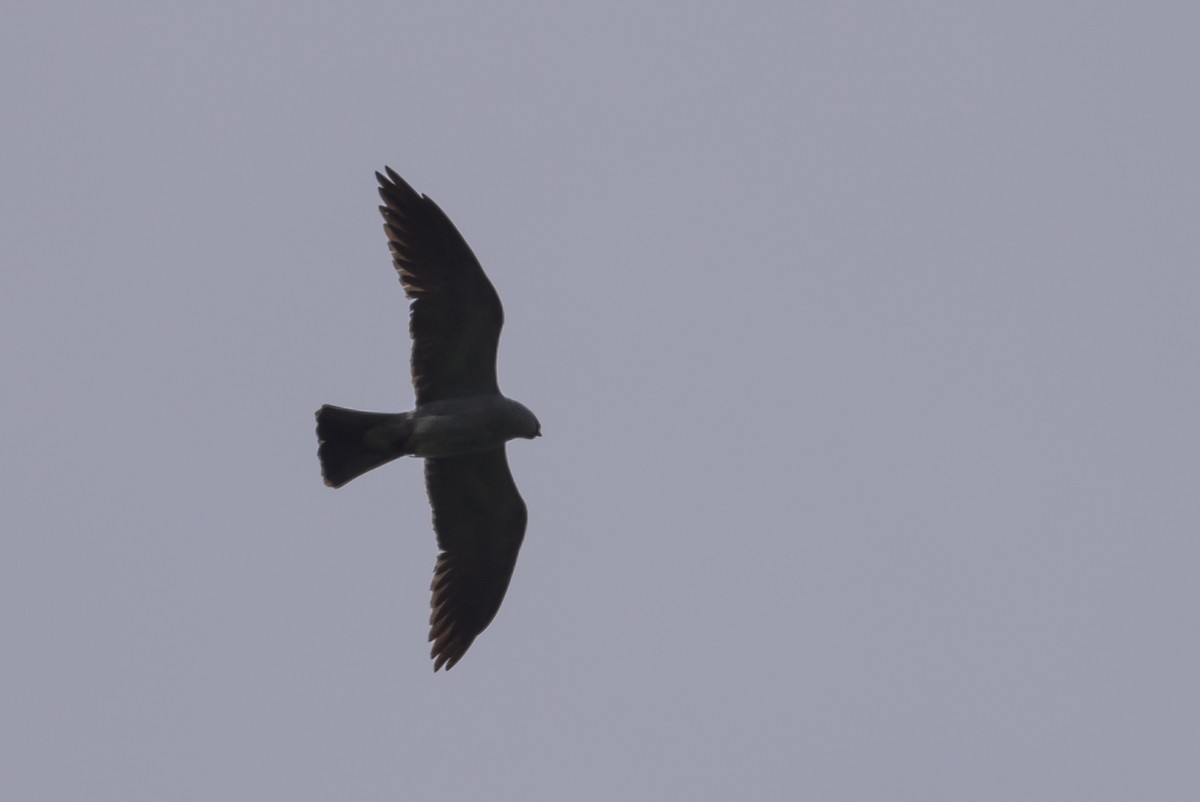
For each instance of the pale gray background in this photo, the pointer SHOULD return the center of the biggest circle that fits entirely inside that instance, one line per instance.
(863, 336)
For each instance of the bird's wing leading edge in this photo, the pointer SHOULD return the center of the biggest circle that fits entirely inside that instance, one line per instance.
(456, 314)
(480, 521)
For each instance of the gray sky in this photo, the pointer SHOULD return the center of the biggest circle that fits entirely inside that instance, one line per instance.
(863, 337)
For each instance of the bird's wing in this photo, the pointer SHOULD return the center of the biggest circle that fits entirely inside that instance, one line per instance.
(456, 314)
(480, 521)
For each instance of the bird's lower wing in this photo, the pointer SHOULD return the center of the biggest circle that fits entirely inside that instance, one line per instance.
(480, 521)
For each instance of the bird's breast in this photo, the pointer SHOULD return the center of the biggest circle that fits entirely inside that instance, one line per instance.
(448, 435)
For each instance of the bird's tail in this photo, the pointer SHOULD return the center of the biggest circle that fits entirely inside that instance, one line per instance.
(353, 442)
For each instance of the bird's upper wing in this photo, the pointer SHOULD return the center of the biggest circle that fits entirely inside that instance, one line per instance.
(480, 521)
(456, 313)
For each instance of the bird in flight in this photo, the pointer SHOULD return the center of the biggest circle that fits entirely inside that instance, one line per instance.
(460, 424)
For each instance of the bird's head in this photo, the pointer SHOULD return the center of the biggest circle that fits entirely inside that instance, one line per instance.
(525, 423)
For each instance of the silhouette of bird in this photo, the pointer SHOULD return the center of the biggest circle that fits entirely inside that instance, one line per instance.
(460, 424)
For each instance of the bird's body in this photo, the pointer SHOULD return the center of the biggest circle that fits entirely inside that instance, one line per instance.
(460, 424)
(446, 428)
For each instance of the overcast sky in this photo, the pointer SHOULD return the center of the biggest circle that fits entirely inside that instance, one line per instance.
(863, 336)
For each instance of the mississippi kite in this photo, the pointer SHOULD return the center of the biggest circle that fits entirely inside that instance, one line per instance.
(460, 424)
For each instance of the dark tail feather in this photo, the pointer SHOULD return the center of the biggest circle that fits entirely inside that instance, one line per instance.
(353, 442)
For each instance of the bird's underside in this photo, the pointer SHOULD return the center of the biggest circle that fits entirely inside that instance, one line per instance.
(478, 513)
